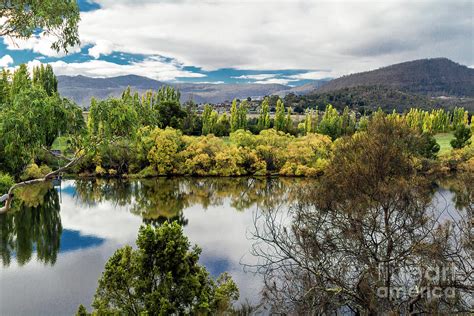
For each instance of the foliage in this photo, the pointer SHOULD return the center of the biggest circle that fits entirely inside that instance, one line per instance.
(31, 119)
(462, 137)
(6, 181)
(33, 225)
(368, 225)
(161, 277)
(264, 117)
(33, 171)
(280, 124)
(22, 18)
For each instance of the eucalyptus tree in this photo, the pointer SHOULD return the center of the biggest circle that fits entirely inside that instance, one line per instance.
(59, 19)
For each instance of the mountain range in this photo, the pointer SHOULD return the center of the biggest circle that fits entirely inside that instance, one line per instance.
(426, 77)
(81, 89)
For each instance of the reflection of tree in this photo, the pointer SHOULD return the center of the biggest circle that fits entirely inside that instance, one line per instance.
(95, 191)
(162, 199)
(32, 224)
(361, 240)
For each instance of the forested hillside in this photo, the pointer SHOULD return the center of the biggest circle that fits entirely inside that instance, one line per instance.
(433, 77)
(370, 98)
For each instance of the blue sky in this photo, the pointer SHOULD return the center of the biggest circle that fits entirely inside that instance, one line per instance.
(261, 41)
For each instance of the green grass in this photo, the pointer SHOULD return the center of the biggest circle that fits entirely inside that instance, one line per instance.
(60, 143)
(444, 139)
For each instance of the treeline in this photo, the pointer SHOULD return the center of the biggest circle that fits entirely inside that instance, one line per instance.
(154, 134)
(367, 99)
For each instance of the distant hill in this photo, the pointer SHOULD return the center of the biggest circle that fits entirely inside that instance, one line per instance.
(370, 98)
(432, 77)
(81, 89)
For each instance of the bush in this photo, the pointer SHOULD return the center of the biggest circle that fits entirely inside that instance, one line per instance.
(32, 171)
(6, 181)
(462, 137)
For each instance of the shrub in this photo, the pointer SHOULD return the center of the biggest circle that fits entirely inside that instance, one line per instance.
(6, 181)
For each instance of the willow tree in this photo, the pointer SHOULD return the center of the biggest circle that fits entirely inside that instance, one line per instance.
(58, 19)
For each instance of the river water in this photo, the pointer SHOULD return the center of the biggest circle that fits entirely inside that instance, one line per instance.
(56, 241)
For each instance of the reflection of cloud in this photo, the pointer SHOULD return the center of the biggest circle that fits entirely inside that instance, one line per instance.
(219, 230)
(104, 220)
(72, 240)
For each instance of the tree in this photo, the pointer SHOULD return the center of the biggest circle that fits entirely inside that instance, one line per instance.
(366, 236)
(170, 112)
(288, 122)
(22, 18)
(45, 78)
(234, 116)
(21, 80)
(264, 118)
(428, 148)
(161, 277)
(462, 137)
(242, 115)
(5, 87)
(330, 124)
(280, 124)
(206, 120)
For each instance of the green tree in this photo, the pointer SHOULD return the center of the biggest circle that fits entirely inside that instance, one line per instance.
(288, 122)
(234, 117)
(21, 80)
(264, 118)
(330, 124)
(45, 78)
(206, 120)
(170, 112)
(161, 277)
(223, 125)
(462, 137)
(5, 87)
(22, 18)
(242, 115)
(280, 123)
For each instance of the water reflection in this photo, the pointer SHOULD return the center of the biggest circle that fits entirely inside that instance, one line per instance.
(32, 225)
(62, 244)
(69, 238)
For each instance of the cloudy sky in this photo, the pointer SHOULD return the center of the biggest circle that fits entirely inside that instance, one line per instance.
(264, 41)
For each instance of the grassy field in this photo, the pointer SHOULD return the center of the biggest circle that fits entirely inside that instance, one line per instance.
(444, 139)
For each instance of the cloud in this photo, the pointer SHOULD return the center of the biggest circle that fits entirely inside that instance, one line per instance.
(313, 75)
(344, 36)
(5, 61)
(257, 77)
(283, 81)
(40, 44)
(152, 67)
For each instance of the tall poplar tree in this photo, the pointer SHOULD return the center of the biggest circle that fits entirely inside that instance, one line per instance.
(280, 123)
